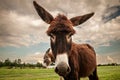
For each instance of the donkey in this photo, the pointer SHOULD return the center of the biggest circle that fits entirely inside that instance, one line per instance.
(48, 58)
(72, 61)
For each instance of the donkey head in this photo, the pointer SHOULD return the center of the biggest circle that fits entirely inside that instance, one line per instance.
(60, 32)
(48, 58)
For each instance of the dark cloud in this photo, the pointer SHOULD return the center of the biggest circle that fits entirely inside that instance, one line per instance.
(111, 13)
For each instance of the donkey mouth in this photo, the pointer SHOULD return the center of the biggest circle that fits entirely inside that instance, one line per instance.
(63, 74)
(62, 70)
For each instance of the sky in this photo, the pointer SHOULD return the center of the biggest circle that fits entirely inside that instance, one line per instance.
(23, 33)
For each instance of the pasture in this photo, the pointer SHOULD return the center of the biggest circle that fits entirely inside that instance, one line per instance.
(104, 73)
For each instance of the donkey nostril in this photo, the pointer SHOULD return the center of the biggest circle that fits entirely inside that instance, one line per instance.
(68, 69)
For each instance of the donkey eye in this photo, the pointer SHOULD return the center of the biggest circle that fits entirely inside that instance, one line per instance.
(52, 35)
(69, 35)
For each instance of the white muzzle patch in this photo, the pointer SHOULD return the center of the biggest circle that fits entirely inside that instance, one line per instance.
(61, 58)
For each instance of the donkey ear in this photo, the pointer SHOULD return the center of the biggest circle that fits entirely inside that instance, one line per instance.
(47, 17)
(48, 50)
(80, 19)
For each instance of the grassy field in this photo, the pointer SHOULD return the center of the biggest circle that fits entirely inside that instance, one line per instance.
(104, 72)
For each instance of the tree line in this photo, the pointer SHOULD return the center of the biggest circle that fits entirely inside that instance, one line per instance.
(109, 64)
(17, 63)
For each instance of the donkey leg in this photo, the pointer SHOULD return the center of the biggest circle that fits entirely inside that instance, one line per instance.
(94, 76)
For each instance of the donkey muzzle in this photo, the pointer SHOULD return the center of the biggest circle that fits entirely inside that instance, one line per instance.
(62, 69)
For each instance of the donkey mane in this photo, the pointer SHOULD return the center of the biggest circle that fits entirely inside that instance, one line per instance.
(61, 24)
(61, 17)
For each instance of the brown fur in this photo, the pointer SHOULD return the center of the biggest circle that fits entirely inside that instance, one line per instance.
(60, 23)
(48, 55)
(81, 57)
(77, 20)
(82, 60)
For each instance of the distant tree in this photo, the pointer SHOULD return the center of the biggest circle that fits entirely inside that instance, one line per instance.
(8, 63)
(32, 66)
(19, 63)
(113, 64)
(15, 63)
(39, 65)
(99, 65)
(1, 64)
(23, 65)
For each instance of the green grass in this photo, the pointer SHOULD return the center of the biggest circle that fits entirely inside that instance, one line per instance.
(28, 74)
(104, 73)
(108, 73)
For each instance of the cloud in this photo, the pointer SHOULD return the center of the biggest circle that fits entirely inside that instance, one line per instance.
(33, 58)
(99, 34)
(108, 58)
(101, 58)
(20, 30)
(20, 24)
